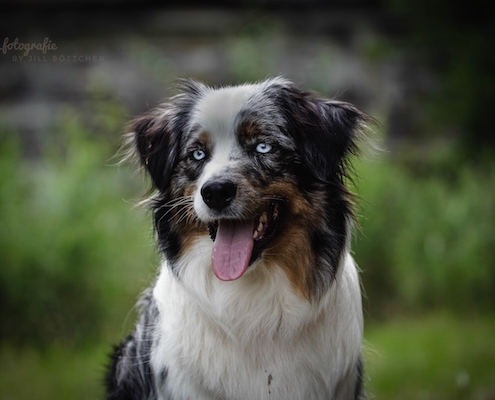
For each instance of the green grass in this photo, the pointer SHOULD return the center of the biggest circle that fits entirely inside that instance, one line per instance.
(55, 373)
(434, 357)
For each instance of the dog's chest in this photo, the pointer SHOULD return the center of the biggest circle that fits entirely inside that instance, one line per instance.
(201, 363)
(195, 357)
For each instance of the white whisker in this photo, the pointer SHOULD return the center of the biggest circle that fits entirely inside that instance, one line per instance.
(180, 209)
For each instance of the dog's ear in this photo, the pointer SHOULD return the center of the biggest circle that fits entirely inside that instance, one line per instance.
(156, 143)
(327, 131)
(330, 132)
(156, 135)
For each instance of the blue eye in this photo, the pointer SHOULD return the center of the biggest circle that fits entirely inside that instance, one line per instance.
(198, 155)
(263, 148)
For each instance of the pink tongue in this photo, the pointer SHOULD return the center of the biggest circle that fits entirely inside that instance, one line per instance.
(232, 249)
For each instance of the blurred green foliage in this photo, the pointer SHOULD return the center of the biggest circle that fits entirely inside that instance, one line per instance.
(73, 250)
(75, 253)
(427, 241)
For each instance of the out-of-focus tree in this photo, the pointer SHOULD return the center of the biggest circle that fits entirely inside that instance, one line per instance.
(455, 40)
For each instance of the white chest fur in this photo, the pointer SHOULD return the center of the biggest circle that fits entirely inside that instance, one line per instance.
(254, 338)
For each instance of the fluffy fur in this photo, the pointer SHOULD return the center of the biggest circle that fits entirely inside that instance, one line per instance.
(274, 316)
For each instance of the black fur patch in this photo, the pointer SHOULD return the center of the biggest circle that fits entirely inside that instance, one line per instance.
(358, 391)
(129, 376)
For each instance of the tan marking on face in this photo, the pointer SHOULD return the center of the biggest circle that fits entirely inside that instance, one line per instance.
(205, 138)
(185, 219)
(189, 190)
(292, 253)
(291, 250)
(248, 130)
(298, 206)
(189, 237)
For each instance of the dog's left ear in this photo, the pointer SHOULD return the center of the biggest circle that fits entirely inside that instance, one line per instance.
(327, 131)
(330, 132)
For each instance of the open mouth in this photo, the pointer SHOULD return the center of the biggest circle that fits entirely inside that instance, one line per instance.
(239, 243)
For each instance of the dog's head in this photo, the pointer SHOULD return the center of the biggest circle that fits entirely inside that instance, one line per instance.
(260, 169)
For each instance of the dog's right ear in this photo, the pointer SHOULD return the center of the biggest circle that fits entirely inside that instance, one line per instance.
(157, 145)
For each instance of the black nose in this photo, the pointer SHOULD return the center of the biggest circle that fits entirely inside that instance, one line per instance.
(218, 194)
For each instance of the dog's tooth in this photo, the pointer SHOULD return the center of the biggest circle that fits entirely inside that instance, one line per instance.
(260, 227)
(256, 235)
(264, 218)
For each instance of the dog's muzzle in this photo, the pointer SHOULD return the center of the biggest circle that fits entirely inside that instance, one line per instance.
(238, 242)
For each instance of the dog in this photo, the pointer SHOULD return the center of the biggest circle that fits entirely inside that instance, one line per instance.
(257, 296)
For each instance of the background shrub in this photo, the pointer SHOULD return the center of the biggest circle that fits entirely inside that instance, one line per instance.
(74, 252)
(427, 240)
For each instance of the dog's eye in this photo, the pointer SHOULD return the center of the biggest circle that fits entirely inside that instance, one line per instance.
(263, 148)
(198, 154)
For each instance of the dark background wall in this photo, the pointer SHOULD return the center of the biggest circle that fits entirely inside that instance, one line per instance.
(133, 52)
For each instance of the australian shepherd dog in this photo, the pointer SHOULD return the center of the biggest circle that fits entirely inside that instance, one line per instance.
(257, 296)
